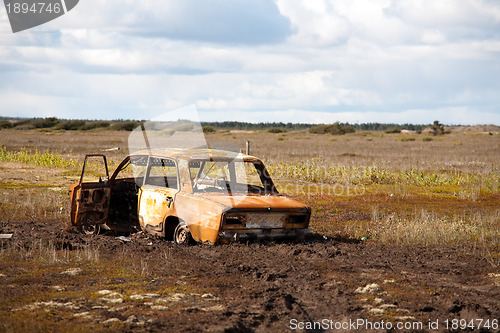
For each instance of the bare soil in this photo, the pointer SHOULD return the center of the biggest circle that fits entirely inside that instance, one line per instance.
(268, 287)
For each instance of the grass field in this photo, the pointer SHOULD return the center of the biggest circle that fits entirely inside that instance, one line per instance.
(401, 189)
(377, 178)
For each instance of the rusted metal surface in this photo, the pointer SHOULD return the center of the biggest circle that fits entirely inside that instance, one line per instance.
(220, 195)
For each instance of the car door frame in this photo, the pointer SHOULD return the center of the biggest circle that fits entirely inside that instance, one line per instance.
(90, 202)
(155, 202)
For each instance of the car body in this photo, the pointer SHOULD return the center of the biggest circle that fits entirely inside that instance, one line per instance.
(202, 195)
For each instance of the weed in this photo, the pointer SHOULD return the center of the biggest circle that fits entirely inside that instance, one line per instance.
(406, 139)
(37, 158)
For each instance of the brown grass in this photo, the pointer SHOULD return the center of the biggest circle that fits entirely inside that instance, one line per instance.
(478, 232)
(352, 182)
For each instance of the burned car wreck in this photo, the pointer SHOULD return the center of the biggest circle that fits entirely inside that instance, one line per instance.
(188, 195)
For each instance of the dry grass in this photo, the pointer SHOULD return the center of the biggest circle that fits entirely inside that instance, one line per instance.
(313, 171)
(454, 179)
(479, 232)
(25, 202)
(456, 152)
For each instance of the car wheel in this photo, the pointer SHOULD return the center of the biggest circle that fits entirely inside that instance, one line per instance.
(91, 229)
(182, 235)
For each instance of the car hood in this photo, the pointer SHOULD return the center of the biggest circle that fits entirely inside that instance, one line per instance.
(257, 202)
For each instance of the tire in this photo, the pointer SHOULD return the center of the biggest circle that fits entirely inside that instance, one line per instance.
(91, 229)
(182, 235)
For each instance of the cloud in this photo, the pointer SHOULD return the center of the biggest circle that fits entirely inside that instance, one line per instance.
(241, 22)
(264, 59)
(316, 22)
(459, 20)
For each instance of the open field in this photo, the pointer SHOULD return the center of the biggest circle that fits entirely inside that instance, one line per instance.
(407, 230)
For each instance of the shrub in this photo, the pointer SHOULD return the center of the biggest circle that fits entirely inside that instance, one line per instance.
(320, 129)
(45, 122)
(95, 124)
(437, 128)
(334, 129)
(5, 124)
(394, 130)
(406, 139)
(125, 125)
(276, 130)
(347, 129)
(208, 129)
(71, 125)
(24, 126)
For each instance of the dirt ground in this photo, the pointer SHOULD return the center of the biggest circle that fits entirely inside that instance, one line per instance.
(55, 280)
(271, 287)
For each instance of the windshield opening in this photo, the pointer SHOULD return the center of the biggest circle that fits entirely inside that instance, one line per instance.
(233, 176)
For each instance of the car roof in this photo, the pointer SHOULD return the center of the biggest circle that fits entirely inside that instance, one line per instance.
(194, 154)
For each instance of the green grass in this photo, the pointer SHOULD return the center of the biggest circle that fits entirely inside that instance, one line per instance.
(316, 173)
(37, 158)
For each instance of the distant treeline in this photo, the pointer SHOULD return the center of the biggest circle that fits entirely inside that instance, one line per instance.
(53, 123)
(237, 125)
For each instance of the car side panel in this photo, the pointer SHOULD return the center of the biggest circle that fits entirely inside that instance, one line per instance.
(202, 216)
(155, 205)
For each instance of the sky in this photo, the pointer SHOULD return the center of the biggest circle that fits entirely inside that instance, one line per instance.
(301, 61)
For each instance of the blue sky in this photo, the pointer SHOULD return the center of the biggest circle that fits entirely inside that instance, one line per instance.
(313, 61)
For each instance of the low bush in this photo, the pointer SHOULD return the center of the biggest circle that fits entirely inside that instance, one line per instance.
(394, 130)
(71, 125)
(276, 130)
(406, 139)
(334, 129)
(129, 125)
(45, 122)
(5, 124)
(208, 129)
(95, 125)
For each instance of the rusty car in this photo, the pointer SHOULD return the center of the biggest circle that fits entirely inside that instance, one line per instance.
(188, 196)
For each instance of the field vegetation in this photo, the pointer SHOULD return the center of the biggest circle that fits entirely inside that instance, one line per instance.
(396, 187)
(416, 175)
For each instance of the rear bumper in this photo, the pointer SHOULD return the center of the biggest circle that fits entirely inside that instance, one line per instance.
(268, 234)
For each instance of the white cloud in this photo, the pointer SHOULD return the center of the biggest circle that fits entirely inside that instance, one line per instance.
(315, 21)
(433, 37)
(258, 60)
(236, 22)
